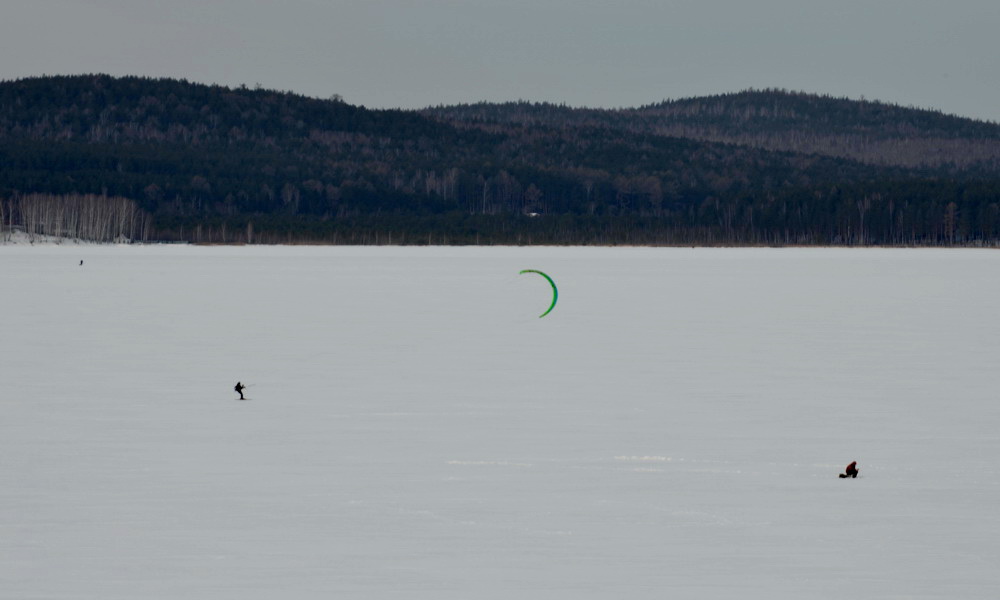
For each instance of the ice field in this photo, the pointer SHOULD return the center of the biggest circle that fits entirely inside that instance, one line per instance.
(672, 429)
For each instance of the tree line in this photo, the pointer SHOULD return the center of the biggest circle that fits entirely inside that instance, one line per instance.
(218, 165)
(84, 217)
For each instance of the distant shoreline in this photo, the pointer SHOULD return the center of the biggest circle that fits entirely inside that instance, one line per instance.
(21, 239)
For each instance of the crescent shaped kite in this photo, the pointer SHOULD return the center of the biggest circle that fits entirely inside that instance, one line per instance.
(555, 290)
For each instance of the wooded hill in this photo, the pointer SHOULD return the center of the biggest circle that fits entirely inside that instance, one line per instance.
(870, 132)
(215, 164)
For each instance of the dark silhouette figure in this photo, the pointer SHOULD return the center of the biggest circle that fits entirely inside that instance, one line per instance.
(239, 388)
(851, 471)
(81, 263)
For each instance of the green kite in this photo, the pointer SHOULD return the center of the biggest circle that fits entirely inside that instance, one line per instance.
(555, 291)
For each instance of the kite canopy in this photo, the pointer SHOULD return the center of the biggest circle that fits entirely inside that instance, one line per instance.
(555, 290)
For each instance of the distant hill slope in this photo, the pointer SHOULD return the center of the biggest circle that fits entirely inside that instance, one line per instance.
(99, 108)
(872, 132)
(757, 167)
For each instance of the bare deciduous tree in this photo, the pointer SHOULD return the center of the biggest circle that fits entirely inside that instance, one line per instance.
(86, 217)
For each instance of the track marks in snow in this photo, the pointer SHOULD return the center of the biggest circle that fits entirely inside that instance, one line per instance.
(490, 463)
(484, 521)
(644, 458)
(657, 464)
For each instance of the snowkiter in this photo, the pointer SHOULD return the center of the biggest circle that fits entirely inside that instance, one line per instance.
(851, 471)
(239, 388)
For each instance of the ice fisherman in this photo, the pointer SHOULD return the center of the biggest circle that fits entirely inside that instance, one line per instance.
(239, 388)
(851, 471)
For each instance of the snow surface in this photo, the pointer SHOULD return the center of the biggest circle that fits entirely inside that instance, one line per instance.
(673, 429)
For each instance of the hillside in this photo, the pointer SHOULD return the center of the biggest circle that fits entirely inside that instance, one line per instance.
(215, 164)
(871, 132)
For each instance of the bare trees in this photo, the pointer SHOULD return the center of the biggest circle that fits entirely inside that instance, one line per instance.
(86, 217)
(5, 222)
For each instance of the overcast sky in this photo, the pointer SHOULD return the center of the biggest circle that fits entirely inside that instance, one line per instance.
(599, 53)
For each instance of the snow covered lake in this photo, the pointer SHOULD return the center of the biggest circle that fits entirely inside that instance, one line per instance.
(674, 428)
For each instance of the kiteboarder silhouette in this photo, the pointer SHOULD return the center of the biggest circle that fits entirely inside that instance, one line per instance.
(239, 388)
(851, 471)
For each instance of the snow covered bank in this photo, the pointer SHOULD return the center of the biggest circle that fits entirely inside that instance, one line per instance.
(20, 238)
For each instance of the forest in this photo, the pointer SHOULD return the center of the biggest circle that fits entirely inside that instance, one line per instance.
(101, 157)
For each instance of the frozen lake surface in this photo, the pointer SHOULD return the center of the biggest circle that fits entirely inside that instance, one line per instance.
(673, 429)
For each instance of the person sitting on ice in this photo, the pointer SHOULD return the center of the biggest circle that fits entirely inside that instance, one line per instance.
(239, 388)
(851, 471)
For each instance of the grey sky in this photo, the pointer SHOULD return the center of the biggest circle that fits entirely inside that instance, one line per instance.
(601, 53)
